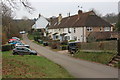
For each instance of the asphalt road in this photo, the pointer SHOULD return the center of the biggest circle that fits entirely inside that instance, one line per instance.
(76, 67)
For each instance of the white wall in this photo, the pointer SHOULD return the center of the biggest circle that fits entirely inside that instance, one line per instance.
(41, 23)
(78, 33)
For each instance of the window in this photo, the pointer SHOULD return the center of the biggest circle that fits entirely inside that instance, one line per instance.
(19, 49)
(57, 37)
(89, 29)
(100, 28)
(67, 37)
(74, 30)
(69, 30)
(75, 38)
(106, 28)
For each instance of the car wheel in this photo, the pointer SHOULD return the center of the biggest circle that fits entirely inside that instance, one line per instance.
(31, 54)
(15, 53)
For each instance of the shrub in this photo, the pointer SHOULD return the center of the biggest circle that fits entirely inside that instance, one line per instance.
(72, 40)
(36, 38)
(45, 43)
(64, 47)
(7, 47)
(79, 45)
(65, 42)
(54, 45)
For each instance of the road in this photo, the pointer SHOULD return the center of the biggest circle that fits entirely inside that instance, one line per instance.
(76, 67)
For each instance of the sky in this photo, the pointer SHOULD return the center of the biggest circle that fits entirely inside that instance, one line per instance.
(49, 8)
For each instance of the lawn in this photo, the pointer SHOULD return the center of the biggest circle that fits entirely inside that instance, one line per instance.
(100, 57)
(30, 36)
(30, 66)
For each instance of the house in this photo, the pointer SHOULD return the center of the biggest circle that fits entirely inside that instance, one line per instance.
(77, 27)
(40, 24)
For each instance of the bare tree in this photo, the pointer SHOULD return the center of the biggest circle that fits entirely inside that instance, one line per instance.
(96, 12)
(14, 4)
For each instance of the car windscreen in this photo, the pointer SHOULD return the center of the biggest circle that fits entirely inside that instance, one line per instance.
(72, 44)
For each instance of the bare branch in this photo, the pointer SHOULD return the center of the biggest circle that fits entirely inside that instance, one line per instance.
(14, 5)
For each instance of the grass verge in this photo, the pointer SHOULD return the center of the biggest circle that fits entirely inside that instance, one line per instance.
(100, 57)
(31, 37)
(30, 66)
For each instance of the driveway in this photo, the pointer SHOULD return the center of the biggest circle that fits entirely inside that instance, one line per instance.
(76, 67)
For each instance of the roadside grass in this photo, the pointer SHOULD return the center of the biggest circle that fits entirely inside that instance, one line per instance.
(100, 57)
(30, 66)
(31, 37)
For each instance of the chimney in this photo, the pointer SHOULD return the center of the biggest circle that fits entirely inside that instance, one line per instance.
(69, 14)
(59, 18)
(39, 15)
(51, 19)
(79, 13)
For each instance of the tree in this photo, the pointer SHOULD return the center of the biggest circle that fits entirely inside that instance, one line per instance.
(9, 27)
(111, 17)
(118, 23)
(14, 4)
(96, 12)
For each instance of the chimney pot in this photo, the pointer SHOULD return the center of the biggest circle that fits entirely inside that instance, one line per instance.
(79, 13)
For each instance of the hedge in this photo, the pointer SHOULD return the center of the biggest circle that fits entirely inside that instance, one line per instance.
(7, 47)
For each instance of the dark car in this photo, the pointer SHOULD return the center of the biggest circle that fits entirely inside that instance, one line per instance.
(72, 47)
(23, 51)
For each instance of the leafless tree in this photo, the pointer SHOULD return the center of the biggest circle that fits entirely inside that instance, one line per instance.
(96, 12)
(14, 4)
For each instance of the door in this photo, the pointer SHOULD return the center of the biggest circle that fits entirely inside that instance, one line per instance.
(26, 51)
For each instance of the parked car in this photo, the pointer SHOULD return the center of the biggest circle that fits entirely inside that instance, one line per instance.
(15, 42)
(11, 40)
(21, 45)
(16, 38)
(23, 51)
(22, 32)
(72, 47)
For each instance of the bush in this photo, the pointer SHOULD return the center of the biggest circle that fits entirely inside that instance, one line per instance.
(64, 42)
(63, 47)
(7, 47)
(36, 38)
(72, 40)
(45, 43)
(54, 45)
(79, 45)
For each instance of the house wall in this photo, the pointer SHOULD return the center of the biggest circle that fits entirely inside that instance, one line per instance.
(96, 29)
(79, 33)
(41, 23)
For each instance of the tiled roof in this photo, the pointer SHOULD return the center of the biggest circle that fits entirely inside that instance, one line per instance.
(84, 19)
(104, 35)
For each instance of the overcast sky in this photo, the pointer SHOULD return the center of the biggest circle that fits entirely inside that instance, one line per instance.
(49, 8)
